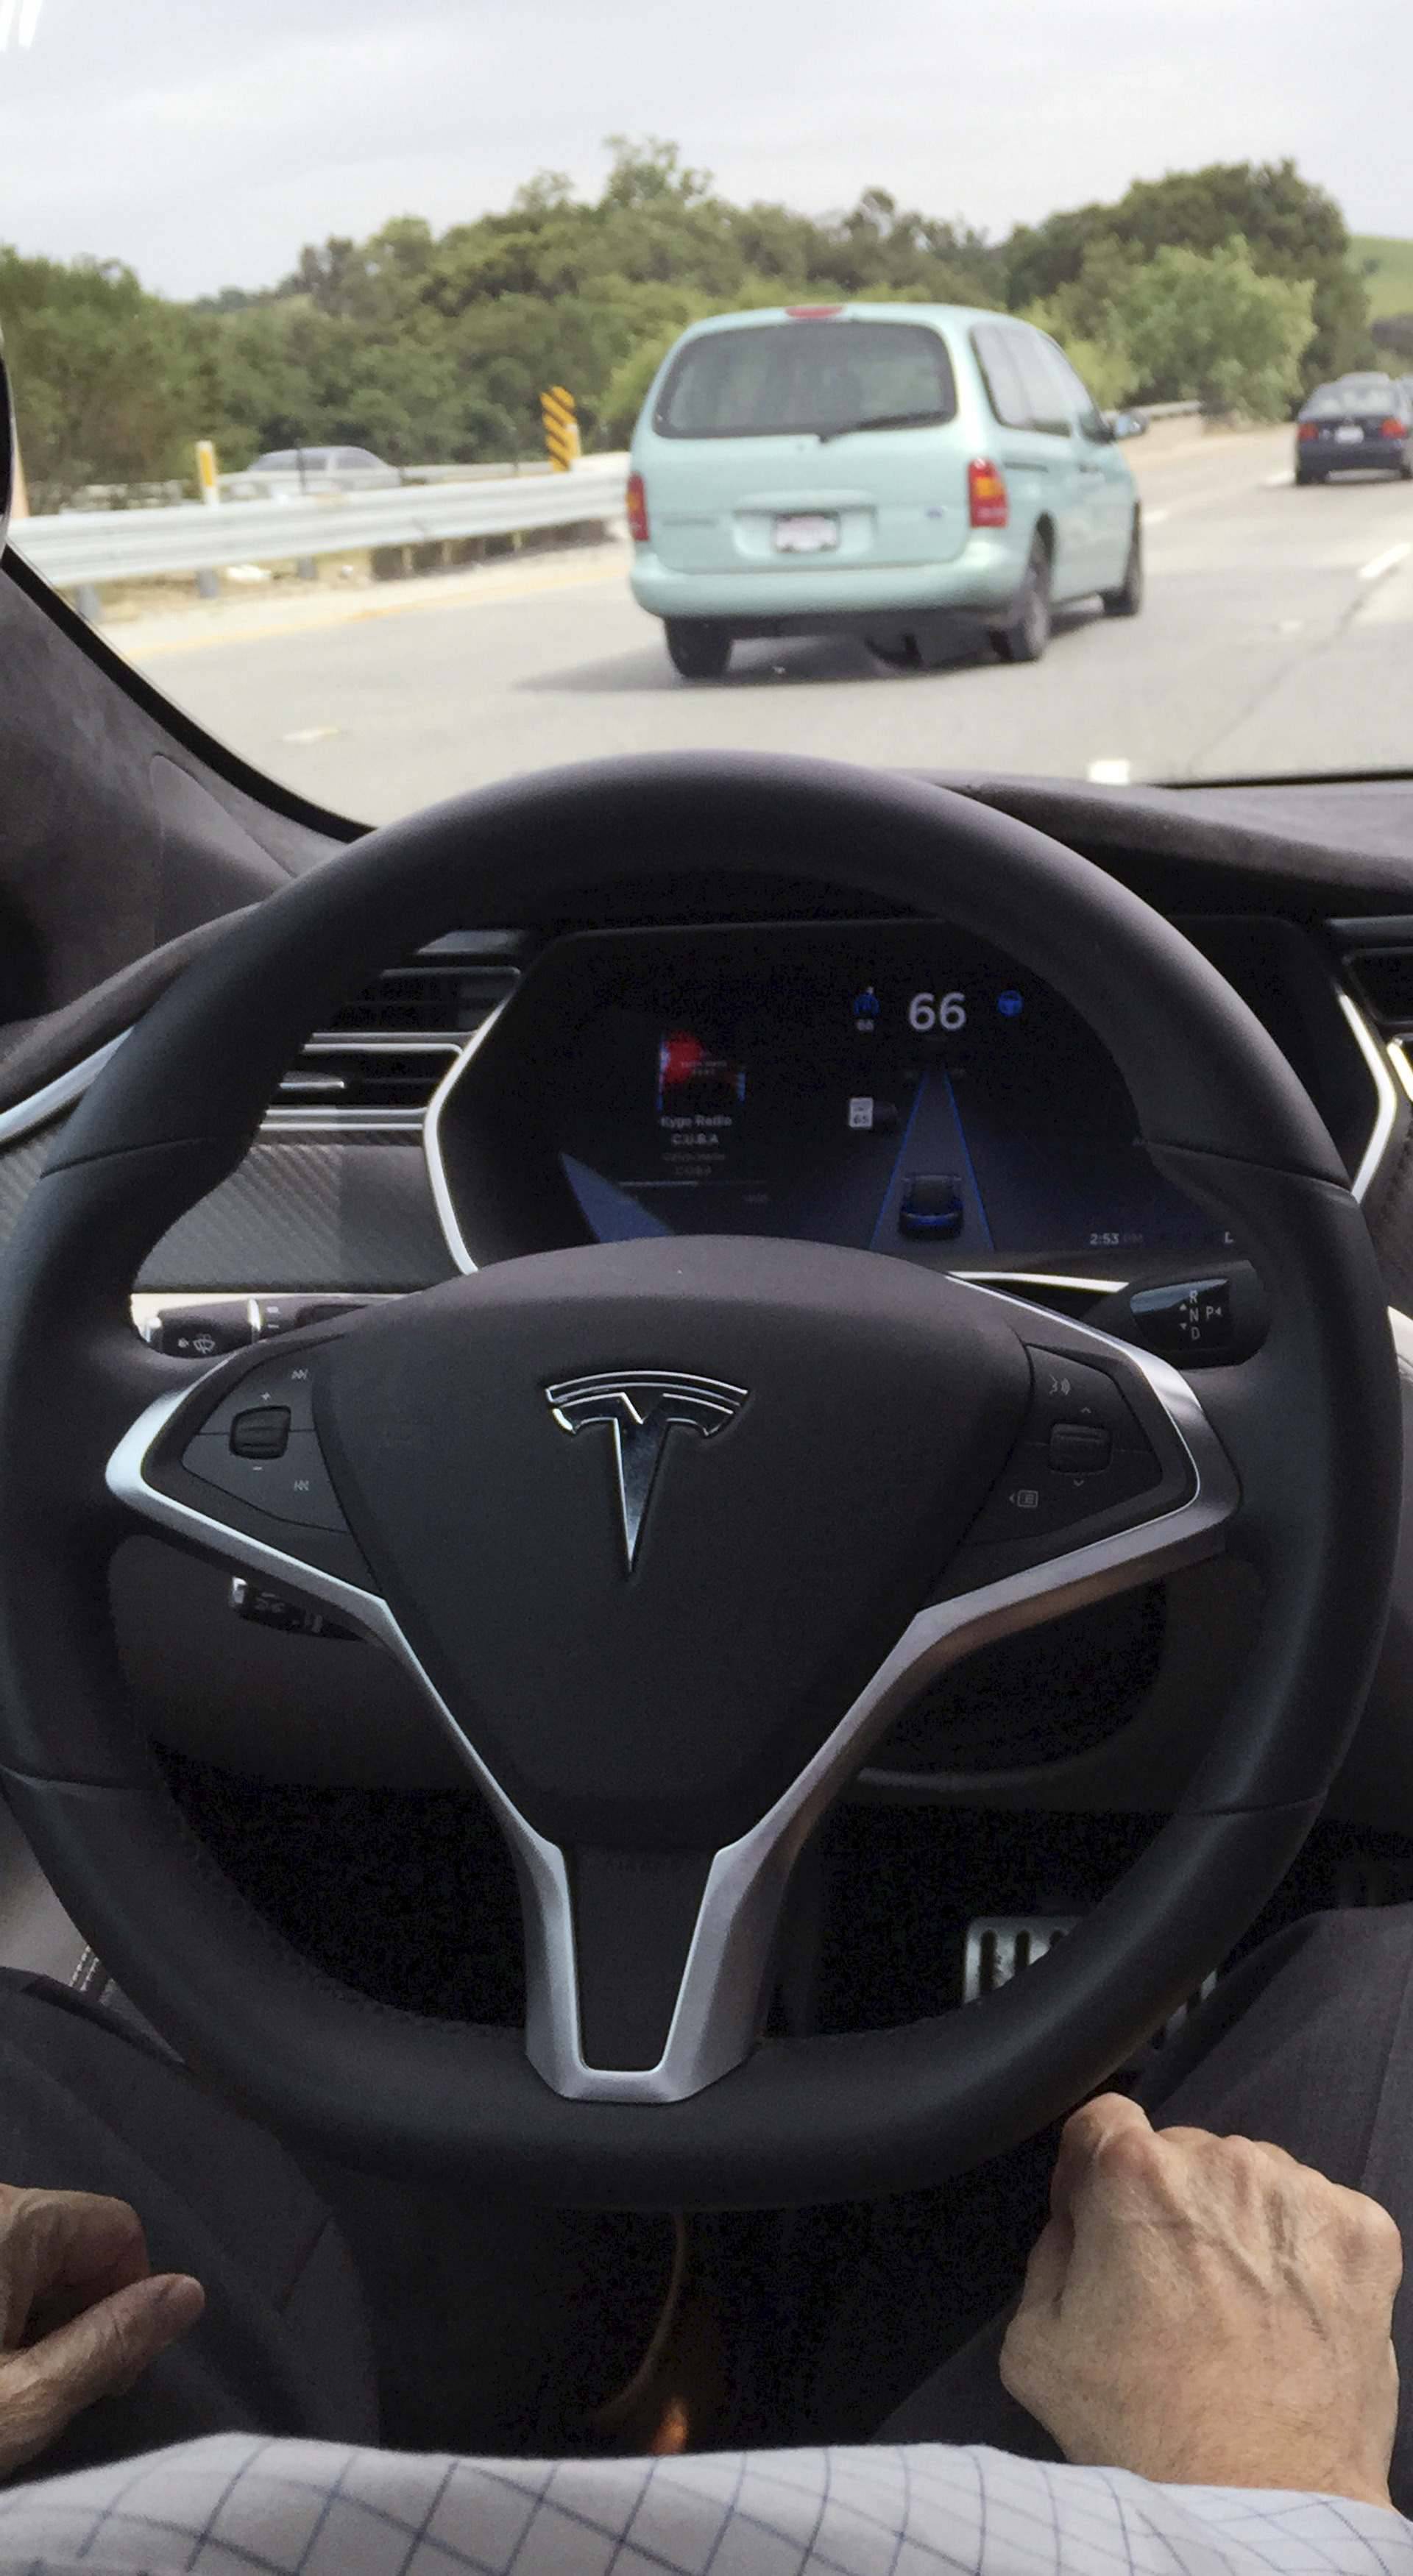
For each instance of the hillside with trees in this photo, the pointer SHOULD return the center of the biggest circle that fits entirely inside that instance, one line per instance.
(1233, 285)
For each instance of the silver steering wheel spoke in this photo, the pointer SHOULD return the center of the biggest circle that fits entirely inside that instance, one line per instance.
(722, 1994)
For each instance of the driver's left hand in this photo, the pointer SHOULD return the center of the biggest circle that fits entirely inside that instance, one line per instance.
(81, 2314)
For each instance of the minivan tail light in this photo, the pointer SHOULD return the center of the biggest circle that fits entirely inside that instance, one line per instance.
(1391, 428)
(812, 312)
(986, 487)
(637, 510)
(1307, 429)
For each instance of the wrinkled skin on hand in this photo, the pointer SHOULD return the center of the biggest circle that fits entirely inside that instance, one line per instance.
(1207, 2311)
(81, 2313)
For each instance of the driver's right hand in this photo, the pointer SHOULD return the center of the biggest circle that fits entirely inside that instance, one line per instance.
(1206, 2311)
(81, 2313)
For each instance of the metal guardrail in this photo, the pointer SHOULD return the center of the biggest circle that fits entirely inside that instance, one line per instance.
(287, 485)
(77, 547)
(80, 546)
(478, 473)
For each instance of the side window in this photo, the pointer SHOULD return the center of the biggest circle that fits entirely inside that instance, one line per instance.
(1082, 403)
(995, 355)
(1046, 390)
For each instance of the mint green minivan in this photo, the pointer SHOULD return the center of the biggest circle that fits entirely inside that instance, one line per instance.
(874, 468)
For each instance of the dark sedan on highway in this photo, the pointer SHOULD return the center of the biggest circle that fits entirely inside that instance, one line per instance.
(1358, 424)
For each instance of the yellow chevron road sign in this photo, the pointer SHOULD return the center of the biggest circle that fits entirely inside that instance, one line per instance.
(561, 427)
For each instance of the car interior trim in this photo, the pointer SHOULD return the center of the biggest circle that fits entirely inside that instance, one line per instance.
(1398, 1057)
(341, 1122)
(714, 2023)
(1004, 1279)
(38, 1107)
(456, 1242)
(331, 1116)
(1375, 1058)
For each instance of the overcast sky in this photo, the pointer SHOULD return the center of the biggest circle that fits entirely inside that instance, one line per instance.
(204, 144)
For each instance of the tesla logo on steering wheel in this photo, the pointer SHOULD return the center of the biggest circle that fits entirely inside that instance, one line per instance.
(640, 1409)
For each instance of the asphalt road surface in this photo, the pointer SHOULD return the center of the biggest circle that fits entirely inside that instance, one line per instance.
(1274, 640)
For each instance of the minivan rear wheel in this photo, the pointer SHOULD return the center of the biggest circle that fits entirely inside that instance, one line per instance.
(1026, 632)
(696, 650)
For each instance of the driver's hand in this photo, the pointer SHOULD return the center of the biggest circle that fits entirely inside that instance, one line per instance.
(81, 2315)
(1207, 2312)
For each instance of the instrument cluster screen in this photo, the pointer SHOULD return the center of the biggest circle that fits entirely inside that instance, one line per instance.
(899, 1087)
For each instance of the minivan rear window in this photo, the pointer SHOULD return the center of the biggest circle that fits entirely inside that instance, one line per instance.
(822, 376)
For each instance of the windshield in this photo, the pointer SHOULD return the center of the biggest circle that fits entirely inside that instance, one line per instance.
(418, 398)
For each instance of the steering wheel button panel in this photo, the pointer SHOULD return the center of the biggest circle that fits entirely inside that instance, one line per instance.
(295, 1486)
(279, 1386)
(1030, 1500)
(1067, 1392)
(1036, 1496)
(1082, 1459)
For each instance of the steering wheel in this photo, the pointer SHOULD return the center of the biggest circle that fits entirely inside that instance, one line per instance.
(664, 1644)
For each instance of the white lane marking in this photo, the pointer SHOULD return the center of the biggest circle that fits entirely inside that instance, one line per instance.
(1155, 518)
(311, 733)
(1108, 773)
(1380, 564)
(1273, 482)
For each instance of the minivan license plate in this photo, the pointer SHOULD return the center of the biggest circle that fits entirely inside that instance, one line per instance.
(807, 532)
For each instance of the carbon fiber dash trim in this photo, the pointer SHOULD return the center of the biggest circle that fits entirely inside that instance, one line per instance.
(310, 1215)
(20, 1167)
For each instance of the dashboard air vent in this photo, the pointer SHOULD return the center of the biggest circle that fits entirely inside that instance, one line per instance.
(430, 997)
(383, 1055)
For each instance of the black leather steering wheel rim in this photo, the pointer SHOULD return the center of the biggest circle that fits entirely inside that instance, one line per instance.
(1311, 1426)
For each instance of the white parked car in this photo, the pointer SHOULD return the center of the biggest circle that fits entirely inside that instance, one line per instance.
(290, 473)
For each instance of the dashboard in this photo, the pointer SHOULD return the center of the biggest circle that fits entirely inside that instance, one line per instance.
(898, 1090)
(892, 1086)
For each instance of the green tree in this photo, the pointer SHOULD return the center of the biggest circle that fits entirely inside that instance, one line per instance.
(434, 346)
(107, 377)
(1208, 326)
(1292, 230)
(1393, 338)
